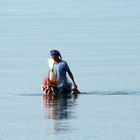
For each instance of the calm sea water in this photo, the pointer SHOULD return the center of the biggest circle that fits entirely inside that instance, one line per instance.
(100, 42)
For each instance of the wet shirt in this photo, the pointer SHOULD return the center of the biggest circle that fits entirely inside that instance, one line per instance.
(60, 70)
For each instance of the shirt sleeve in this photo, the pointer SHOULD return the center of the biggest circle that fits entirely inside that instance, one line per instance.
(67, 66)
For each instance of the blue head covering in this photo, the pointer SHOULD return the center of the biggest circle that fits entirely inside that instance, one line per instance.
(55, 53)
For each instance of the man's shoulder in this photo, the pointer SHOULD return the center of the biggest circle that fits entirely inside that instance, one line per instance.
(64, 63)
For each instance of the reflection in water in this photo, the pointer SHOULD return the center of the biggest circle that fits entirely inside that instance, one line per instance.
(59, 110)
(58, 107)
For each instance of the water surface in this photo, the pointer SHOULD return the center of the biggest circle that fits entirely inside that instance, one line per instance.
(99, 40)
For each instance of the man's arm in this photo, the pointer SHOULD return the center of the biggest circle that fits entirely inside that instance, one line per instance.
(72, 78)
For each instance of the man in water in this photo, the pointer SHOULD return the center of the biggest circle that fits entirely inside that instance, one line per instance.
(60, 70)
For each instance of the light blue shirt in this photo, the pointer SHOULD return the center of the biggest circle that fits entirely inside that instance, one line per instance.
(60, 70)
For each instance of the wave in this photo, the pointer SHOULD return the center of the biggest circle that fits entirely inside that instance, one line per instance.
(30, 94)
(112, 93)
(137, 92)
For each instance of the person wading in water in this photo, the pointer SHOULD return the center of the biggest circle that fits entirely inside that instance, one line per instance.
(58, 75)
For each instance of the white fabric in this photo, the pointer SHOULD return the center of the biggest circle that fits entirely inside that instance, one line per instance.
(51, 63)
(51, 74)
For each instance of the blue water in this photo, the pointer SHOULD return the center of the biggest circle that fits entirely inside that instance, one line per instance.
(100, 42)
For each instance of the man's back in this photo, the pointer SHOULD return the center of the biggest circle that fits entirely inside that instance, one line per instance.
(60, 70)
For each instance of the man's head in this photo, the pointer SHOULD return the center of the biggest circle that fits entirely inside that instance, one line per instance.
(55, 54)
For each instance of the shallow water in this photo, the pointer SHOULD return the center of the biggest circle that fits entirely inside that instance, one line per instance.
(86, 116)
(99, 40)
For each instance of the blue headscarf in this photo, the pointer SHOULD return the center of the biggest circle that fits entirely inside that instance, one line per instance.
(55, 53)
